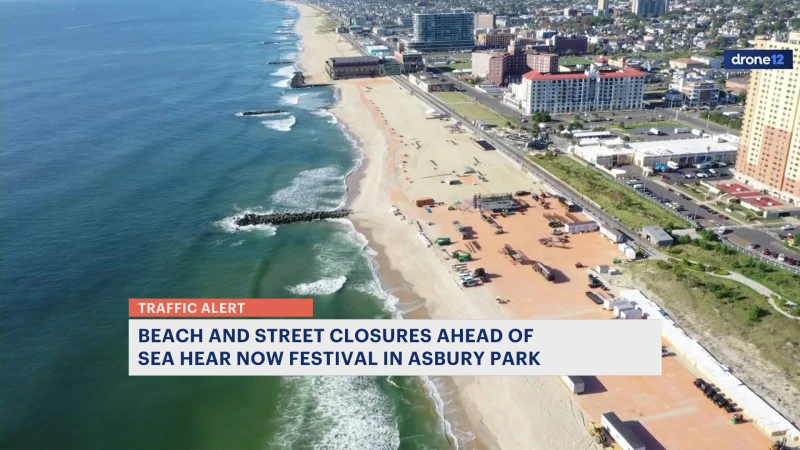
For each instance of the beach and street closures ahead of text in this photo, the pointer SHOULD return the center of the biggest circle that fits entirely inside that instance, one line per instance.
(223, 346)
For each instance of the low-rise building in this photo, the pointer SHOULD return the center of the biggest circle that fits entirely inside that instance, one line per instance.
(658, 237)
(592, 90)
(495, 39)
(698, 92)
(412, 61)
(377, 50)
(576, 43)
(685, 63)
(430, 83)
(345, 67)
(611, 153)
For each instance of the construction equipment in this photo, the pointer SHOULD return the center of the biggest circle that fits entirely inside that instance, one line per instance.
(480, 273)
(598, 433)
(579, 265)
(594, 282)
(462, 256)
(499, 230)
(443, 241)
(511, 254)
(737, 419)
(778, 445)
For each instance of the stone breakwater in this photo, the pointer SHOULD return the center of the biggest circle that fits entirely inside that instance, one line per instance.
(284, 218)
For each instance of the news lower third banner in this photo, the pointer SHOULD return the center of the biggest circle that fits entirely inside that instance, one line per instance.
(239, 337)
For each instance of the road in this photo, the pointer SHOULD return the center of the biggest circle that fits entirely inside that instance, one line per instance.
(518, 157)
(742, 236)
(485, 99)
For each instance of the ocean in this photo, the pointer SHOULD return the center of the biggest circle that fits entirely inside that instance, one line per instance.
(124, 164)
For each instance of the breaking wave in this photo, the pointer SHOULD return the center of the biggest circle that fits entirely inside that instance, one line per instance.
(280, 124)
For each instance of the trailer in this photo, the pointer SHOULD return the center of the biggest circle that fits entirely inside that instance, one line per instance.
(581, 227)
(570, 206)
(575, 384)
(620, 432)
(546, 272)
(631, 314)
(594, 298)
(612, 234)
(610, 303)
(682, 130)
(624, 306)
(673, 165)
(697, 132)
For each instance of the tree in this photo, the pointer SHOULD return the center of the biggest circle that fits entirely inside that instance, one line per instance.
(755, 313)
(796, 240)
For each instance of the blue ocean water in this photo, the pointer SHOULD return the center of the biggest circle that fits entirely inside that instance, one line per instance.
(123, 166)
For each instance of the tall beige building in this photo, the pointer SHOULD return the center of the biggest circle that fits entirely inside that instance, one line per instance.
(769, 152)
(602, 5)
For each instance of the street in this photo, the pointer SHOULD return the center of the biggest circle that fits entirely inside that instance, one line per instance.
(743, 236)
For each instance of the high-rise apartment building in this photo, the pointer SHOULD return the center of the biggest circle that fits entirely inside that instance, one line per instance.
(565, 92)
(649, 7)
(443, 31)
(769, 150)
(484, 21)
(602, 5)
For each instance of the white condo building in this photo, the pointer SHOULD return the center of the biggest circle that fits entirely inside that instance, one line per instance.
(569, 92)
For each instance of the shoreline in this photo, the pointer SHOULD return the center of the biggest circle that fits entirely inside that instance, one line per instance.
(405, 305)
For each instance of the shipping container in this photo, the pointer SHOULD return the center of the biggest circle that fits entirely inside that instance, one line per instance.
(620, 432)
(424, 201)
(630, 253)
(575, 384)
(612, 235)
(580, 227)
(623, 247)
(697, 132)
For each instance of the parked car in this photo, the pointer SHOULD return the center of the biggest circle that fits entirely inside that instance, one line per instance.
(754, 246)
(787, 227)
(765, 252)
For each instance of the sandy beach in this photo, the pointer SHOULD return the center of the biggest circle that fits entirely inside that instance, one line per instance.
(399, 145)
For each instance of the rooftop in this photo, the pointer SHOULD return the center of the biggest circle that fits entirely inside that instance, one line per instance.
(657, 232)
(624, 73)
(353, 60)
(682, 147)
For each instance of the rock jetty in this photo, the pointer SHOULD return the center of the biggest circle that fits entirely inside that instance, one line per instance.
(261, 112)
(299, 82)
(281, 62)
(284, 218)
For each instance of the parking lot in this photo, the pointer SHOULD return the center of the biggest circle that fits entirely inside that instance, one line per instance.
(756, 240)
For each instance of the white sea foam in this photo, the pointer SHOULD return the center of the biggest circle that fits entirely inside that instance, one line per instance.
(289, 56)
(335, 413)
(309, 189)
(291, 99)
(228, 224)
(325, 286)
(280, 124)
(284, 72)
(282, 83)
(328, 114)
(237, 243)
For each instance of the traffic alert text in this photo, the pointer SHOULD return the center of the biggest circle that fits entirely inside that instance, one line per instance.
(168, 308)
(338, 358)
(303, 347)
